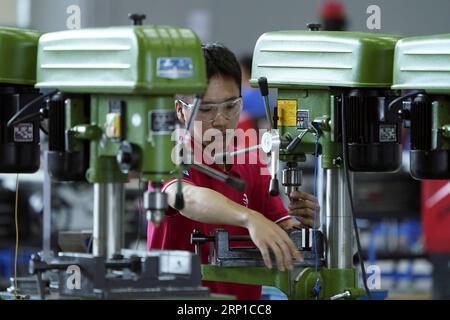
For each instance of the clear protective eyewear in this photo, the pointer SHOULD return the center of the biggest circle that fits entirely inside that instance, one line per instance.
(209, 111)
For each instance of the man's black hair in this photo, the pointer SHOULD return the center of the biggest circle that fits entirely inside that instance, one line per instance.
(246, 62)
(221, 61)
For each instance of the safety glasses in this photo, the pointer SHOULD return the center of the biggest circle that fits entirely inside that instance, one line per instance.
(209, 111)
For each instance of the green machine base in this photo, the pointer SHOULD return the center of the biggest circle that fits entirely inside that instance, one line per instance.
(297, 284)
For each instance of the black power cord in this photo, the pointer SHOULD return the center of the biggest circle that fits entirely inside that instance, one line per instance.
(15, 118)
(401, 98)
(347, 182)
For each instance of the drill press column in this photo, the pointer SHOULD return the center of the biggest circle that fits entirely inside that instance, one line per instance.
(115, 233)
(339, 221)
(99, 232)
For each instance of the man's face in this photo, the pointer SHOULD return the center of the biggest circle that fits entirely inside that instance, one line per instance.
(221, 90)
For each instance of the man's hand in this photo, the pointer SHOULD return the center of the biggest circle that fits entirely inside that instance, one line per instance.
(265, 234)
(302, 207)
(268, 236)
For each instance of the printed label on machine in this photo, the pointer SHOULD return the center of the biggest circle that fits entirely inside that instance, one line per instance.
(113, 125)
(23, 132)
(388, 133)
(174, 68)
(287, 113)
(162, 121)
(302, 119)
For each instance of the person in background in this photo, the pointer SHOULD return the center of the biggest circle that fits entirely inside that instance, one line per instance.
(253, 104)
(332, 16)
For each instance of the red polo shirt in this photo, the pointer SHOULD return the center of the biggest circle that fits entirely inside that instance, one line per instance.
(175, 230)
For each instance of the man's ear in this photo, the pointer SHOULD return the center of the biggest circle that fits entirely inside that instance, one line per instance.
(180, 113)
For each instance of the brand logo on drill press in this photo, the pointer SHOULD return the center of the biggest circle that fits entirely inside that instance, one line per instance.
(174, 68)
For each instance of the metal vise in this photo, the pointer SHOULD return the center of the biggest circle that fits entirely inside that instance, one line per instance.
(224, 255)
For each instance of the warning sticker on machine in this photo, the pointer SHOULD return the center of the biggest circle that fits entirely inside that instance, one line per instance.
(162, 121)
(23, 132)
(287, 113)
(174, 68)
(388, 133)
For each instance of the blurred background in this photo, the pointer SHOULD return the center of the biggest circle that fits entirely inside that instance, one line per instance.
(388, 205)
(236, 23)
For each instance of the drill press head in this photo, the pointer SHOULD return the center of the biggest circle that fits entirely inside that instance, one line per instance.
(422, 70)
(115, 110)
(322, 79)
(19, 143)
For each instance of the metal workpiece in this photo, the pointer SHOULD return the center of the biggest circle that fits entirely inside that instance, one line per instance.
(155, 205)
(291, 178)
(338, 221)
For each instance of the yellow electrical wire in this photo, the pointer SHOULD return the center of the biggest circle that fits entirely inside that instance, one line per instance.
(17, 236)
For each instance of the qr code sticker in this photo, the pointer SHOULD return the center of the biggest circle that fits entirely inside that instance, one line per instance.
(388, 133)
(23, 132)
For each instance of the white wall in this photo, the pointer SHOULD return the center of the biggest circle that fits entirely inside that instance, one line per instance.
(8, 15)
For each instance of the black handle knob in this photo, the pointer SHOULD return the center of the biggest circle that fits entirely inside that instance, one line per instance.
(236, 183)
(294, 143)
(275, 117)
(179, 201)
(314, 26)
(263, 86)
(128, 156)
(137, 18)
(273, 189)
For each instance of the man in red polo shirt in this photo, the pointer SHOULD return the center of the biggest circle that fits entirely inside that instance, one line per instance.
(211, 204)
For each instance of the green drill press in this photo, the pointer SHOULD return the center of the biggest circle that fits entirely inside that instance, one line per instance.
(422, 70)
(112, 112)
(333, 88)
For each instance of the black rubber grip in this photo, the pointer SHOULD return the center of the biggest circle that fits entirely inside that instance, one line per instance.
(179, 201)
(273, 189)
(294, 143)
(236, 183)
(263, 86)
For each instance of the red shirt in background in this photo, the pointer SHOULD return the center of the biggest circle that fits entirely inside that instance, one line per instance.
(436, 215)
(175, 231)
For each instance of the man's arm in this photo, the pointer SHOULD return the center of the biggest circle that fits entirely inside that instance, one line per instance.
(208, 206)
